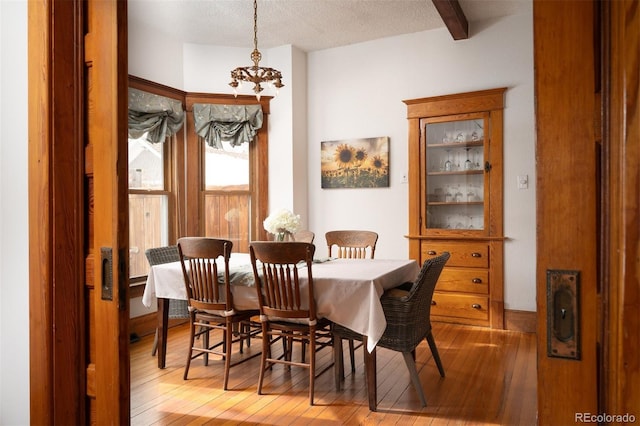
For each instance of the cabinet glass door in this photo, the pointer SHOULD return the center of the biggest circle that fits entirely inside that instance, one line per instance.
(455, 178)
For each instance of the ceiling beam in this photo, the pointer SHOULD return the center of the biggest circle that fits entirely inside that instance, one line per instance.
(453, 18)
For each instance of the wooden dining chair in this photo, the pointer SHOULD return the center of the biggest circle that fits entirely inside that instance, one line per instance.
(407, 310)
(304, 236)
(287, 311)
(205, 266)
(352, 244)
(178, 309)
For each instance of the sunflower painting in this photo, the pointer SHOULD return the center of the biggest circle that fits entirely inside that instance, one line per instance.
(355, 163)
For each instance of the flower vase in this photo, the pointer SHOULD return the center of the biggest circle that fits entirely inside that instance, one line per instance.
(283, 236)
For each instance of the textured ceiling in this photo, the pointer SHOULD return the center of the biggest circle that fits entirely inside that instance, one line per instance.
(307, 24)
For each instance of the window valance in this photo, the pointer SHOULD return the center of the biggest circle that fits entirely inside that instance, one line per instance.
(234, 123)
(158, 116)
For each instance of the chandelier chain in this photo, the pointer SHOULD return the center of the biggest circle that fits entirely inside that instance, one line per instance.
(256, 74)
(255, 24)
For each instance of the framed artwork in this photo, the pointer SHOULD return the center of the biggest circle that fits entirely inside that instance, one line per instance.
(355, 163)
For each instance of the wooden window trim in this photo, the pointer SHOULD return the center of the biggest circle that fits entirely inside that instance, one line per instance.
(171, 152)
(185, 187)
(258, 158)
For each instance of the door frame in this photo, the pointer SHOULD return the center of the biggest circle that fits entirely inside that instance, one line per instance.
(56, 215)
(77, 375)
(591, 107)
(619, 368)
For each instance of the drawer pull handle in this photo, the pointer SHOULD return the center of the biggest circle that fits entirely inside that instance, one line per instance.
(476, 306)
(432, 253)
(433, 303)
(477, 281)
(476, 254)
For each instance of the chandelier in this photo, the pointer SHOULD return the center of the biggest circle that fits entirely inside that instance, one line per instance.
(255, 73)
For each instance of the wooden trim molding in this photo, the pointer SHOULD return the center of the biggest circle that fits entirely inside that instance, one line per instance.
(568, 231)
(57, 352)
(433, 106)
(522, 321)
(145, 325)
(620, 389)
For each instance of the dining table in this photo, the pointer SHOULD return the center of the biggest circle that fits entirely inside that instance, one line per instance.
(347, 292)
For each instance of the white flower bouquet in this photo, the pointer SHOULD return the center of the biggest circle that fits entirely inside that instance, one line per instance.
(281, 223)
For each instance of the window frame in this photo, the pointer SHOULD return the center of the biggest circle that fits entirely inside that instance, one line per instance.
(171, 148)
(166, 191)
(258, 165)
(184, 165)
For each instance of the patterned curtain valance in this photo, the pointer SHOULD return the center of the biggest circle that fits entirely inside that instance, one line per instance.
(157, 115)
(234, 123)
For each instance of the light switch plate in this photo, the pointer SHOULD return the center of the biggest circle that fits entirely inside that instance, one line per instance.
(523, 181)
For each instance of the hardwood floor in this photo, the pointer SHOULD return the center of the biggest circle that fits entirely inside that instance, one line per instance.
(490, 379)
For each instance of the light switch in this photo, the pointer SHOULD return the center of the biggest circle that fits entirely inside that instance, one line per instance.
(523, 181)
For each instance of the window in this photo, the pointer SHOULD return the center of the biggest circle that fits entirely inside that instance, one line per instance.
(229, 190)
(156, 127)
(181, 186)
(227, 194)
(148, 202)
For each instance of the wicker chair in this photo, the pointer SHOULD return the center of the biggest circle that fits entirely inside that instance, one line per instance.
(178, 309)
(286, 312)
(205, 266)
(407, 310)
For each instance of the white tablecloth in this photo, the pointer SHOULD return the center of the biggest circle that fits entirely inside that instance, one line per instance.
(166, 281)
(347, 291)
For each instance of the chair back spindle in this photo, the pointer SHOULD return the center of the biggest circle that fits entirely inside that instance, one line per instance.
(276, 267)
(201, 272)
(352, 244)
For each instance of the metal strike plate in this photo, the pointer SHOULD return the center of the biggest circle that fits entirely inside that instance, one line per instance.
(563, 314)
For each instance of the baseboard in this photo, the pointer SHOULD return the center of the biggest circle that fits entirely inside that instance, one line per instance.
(523, 321)
(146, 324)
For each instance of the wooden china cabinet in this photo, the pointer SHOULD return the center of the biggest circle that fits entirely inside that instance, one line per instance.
(456, 202)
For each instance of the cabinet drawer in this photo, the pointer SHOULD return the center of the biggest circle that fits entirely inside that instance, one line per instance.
(461, 306)
(467, 280)
(470, 255)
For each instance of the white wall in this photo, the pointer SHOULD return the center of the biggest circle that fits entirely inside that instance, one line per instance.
(14, 231)
(357, 91)
(154, 57)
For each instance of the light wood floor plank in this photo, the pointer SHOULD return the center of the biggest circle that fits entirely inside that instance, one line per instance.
(490, 379)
